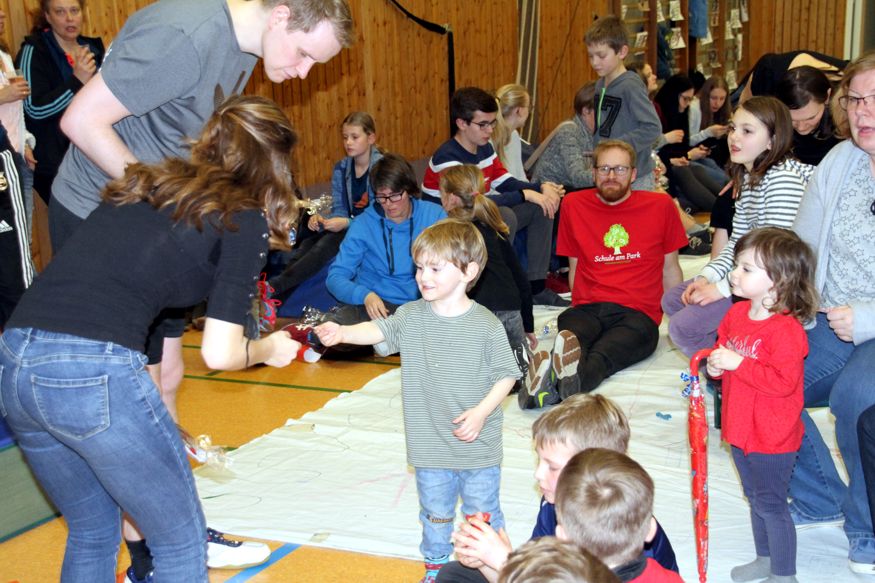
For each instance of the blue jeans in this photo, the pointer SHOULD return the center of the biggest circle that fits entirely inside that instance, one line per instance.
(839, 374)
(439, 490)
(92, 426)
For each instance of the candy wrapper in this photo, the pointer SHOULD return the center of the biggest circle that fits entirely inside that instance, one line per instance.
(202, 450)
(302, 331)
(314, 206)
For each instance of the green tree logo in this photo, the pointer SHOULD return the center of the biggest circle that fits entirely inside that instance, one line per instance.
(616, 237)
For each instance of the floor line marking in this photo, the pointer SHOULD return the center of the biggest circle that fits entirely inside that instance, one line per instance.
(266, 384)
(279, 554)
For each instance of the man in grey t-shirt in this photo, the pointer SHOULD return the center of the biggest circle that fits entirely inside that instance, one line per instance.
(159, 83)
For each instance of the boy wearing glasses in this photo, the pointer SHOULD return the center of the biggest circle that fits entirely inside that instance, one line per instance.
(622, 248)
(523, 205)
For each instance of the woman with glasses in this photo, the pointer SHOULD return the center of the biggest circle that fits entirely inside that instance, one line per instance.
(692, 185)
(374, 272)
(836, 218)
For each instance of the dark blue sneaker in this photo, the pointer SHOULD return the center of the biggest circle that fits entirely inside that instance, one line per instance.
(131, 578)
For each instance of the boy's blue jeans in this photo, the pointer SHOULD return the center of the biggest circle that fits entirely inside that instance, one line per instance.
(92, 426)
(439, 490)
(839, 374)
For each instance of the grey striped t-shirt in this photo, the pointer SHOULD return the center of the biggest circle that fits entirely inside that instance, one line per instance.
(448, 365)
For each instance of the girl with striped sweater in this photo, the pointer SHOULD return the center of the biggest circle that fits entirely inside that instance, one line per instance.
(768, 185)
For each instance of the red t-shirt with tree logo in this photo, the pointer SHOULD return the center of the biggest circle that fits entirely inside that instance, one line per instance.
(620, 249)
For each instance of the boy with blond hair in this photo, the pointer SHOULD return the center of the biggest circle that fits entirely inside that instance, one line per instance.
(554, 560)
(623, 109)
(457, 367)
(604, 503)
(580, 422)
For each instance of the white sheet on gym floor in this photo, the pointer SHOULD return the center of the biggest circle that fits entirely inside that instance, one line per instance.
(338, 476)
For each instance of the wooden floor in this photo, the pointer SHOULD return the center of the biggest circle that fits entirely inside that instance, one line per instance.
(234, 408)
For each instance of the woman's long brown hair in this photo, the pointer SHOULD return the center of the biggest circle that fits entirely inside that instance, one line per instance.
(240, 161)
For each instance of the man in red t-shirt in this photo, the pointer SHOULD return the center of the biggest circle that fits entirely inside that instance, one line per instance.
(622, 248)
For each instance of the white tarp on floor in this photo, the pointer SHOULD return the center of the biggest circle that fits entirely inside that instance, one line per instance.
(338, 476)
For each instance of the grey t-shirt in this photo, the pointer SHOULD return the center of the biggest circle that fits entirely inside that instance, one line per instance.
(448, 365)
(164, 67)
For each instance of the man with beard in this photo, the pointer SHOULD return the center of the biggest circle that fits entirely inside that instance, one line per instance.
(622, 248)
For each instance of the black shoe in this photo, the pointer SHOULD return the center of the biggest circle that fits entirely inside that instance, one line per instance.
(698, 243)
(547, 297)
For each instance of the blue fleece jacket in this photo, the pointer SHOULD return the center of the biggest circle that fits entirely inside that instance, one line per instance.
(375, 256)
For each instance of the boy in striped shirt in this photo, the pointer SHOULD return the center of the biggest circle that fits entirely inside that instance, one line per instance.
(457, 367)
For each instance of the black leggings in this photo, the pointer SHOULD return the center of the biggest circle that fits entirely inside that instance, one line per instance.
(694, 187)
(314, 253)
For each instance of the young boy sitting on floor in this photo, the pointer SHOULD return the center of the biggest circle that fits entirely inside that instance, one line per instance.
(457, 367)
(580, 422)
(604, 503)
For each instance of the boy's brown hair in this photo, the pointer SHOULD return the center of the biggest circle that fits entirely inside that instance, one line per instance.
(607, 30)
(452, 240)
(583, 421)
(604, 503)
(585, 98)
(550, 559)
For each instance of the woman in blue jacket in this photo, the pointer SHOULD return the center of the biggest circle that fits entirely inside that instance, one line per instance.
(374, 272)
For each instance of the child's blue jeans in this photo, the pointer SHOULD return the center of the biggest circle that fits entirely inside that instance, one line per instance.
(439, 490)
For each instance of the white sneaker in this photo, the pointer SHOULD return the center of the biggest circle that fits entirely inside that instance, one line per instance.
(225, 553)
(862, 568)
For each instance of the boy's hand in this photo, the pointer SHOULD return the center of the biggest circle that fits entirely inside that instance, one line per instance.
(724, 359)
(532, 340)
(329, 333)
(477, 544)
(471, 423)
(547, 203)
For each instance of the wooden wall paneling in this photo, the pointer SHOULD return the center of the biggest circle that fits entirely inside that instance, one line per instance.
(564, 65)
(804, 21)
(777, 27)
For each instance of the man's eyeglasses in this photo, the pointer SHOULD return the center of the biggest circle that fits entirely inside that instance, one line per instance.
(485, 124)
(391, 197)
(852, 102)
(618, 170)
